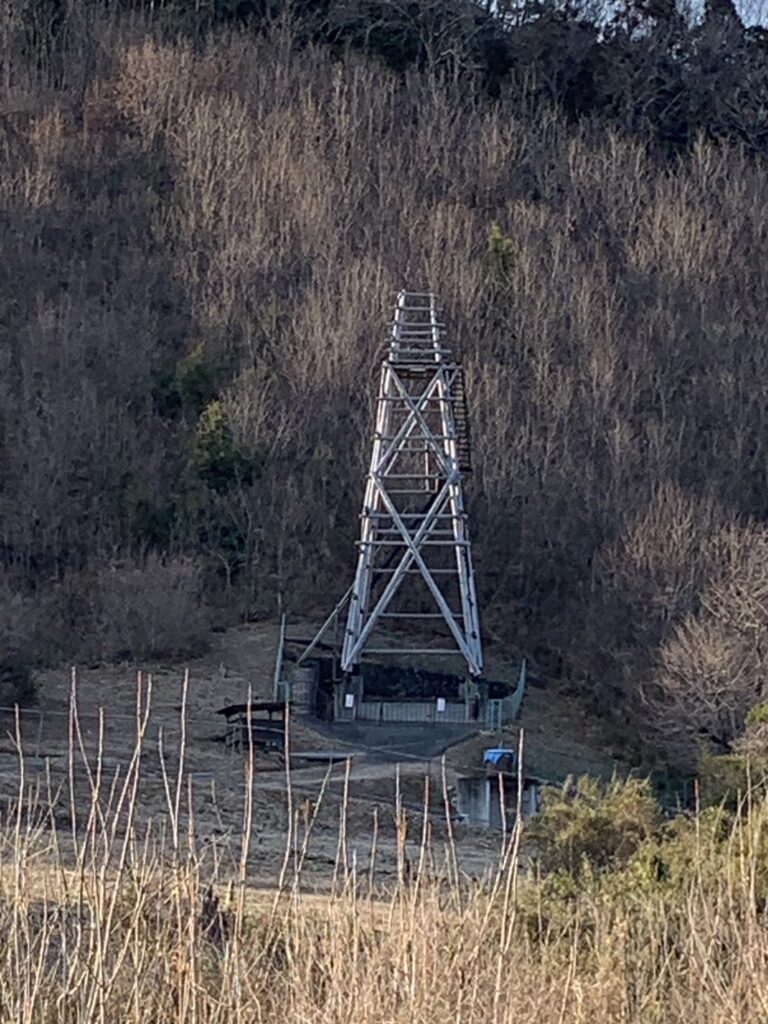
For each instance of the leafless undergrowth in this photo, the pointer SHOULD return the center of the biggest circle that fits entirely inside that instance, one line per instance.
(200, 250)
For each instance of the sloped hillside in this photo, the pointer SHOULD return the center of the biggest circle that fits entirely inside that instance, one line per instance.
(201, 244)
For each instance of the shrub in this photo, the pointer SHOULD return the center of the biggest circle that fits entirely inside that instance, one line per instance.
(217, 459)
(196, 380)
(148, 609)
(728, 778)
(500, 257)
(188, 384)
(758, 715)
(592, 824)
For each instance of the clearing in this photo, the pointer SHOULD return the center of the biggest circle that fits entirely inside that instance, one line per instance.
(558, 740)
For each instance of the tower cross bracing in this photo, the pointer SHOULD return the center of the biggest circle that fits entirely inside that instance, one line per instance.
(414, 558)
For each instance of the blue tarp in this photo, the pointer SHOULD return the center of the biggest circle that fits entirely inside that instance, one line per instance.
(495, 754)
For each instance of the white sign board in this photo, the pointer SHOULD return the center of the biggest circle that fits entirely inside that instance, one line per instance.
(349, 700)
(441, 704)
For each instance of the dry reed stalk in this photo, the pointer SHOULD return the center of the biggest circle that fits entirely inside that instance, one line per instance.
(121, 934)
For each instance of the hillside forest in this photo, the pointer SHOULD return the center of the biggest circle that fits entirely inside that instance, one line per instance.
(206, 212)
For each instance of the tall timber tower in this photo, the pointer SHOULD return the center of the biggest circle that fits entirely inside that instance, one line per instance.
(414, 561)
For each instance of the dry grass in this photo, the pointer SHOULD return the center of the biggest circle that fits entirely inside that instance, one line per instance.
(110, 917)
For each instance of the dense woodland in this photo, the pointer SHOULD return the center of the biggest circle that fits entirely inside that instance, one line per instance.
(206, 212)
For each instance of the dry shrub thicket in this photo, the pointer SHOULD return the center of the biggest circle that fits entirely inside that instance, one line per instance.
(201, 247)
(106, 918)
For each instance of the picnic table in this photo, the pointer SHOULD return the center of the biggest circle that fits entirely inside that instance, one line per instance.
(265, 732)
